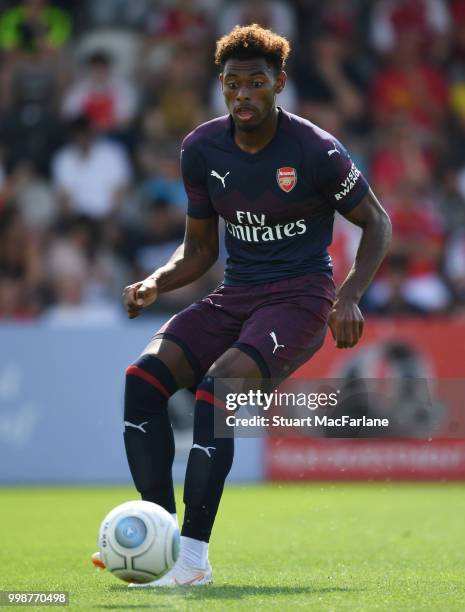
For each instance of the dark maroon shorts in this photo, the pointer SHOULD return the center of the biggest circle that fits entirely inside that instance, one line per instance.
(281, 324)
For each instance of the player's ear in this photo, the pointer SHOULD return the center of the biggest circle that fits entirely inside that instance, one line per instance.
(280, 81)
(220, 77)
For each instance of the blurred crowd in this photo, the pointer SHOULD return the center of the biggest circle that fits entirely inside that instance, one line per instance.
(96, 96)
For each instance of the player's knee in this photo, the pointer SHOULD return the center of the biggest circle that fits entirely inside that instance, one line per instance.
(149, 383)
(236, 364)
(223, 370)
(216, 372)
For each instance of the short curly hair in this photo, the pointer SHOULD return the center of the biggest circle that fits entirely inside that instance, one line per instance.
(251, 41)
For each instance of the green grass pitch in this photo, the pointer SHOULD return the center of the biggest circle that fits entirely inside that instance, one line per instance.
(313, 547)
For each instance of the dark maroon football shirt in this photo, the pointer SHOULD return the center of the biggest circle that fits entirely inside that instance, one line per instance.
(278, 204)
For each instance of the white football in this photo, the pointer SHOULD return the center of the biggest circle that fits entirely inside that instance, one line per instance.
(138, 541)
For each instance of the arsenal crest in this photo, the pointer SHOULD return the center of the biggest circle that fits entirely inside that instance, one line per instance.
(287, 178)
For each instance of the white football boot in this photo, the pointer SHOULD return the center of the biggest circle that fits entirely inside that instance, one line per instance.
(180, 575)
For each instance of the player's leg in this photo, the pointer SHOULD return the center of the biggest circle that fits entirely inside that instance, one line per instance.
(178, 356)
(210, 458)
(160, 371)
(287, 325)
(209, 463)
(162, 368)
(277, 338)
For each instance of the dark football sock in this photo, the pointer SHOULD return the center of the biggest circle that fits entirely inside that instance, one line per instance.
(148, 435)
(209, 463)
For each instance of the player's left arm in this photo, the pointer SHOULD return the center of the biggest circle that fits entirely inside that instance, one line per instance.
(346, 320)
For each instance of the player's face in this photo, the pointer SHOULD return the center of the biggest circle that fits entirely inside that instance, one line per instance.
(249, 89)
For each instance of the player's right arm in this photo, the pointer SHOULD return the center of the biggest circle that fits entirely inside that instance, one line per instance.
(199, 250)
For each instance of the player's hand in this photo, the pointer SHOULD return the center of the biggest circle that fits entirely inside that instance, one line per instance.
(139, 295)
(346, 323)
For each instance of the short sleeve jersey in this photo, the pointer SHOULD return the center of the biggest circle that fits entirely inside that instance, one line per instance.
(278, 205)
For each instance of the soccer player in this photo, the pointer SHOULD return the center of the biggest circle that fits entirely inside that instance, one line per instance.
(276, 180)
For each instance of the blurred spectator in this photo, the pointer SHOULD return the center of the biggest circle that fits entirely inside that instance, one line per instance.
(456, 73)
(69, 309)
(179, 24)
(339, 16)
(454, 265)
(21, 265)
(123, 46)
(418, 243)
(77, 251)
(109, 101)
(31, 133)
(31, 35)
(84, 277)
(327, 118)
(4, 188)
(153, 247)
(174, 100)
(12, 304)
(30, 81)
(90, 175)
(117, 12)
(34, 26)
(274, 14)
(450, 197)
(458, 34)
(31, 77)
(397, 299)
(400, 161)
(162, 234)
(410, 86)
(33, 196)
(327, 75)
(461, 182)
(165, 183)
(429, 18)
